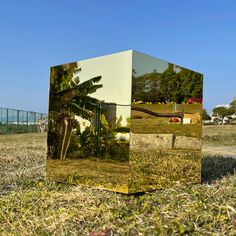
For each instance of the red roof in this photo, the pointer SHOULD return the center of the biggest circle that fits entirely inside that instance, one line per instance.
(192, 100)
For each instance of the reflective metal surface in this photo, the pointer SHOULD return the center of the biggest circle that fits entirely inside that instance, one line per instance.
(165, 145)
(125, 122)
(89, 122)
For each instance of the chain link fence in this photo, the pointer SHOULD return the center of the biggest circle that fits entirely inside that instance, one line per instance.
(14, 121)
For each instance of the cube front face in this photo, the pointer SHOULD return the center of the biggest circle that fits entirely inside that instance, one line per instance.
(89, 118)
(105, 128)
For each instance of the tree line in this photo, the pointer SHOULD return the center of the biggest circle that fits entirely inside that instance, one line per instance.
(175, 84)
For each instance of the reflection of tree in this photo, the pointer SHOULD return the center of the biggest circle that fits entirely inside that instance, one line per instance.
(68, 98)
(172, 85)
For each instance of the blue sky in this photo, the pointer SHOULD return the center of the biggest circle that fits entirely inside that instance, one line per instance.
(35, 35)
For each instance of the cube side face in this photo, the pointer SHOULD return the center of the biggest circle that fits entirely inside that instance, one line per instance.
(166, 125)
(89, 122)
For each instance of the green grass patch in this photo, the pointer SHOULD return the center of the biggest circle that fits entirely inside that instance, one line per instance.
(168, 108)
(152, 126)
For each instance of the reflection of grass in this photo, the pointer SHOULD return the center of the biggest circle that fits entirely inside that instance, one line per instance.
(159, 169)
(190, 108)
(112, 175)
(149, 170)
(159, 125)
(151, 126)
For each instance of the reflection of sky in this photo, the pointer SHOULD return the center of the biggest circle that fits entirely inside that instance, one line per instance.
(116, 70)
(145, 64)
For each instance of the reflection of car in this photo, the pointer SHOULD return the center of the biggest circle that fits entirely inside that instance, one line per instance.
(174, 120)
(194, 100)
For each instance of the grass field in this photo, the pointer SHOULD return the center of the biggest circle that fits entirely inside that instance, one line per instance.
(39, 207)
(218, 135)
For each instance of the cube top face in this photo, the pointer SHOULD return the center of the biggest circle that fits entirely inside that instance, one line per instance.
(110, 123)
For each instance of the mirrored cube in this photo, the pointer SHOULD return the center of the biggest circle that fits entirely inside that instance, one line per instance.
(125, 122)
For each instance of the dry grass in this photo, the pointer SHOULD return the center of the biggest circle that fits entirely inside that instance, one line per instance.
(48, 208)
(22, 156)
(220, 135)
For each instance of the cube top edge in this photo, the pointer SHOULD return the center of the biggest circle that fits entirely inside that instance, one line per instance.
(132, 52)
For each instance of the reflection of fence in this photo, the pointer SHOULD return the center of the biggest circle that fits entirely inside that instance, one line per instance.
(110, 112)
(18, 121)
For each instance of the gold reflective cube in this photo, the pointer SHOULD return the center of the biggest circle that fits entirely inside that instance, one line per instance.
(125, 122)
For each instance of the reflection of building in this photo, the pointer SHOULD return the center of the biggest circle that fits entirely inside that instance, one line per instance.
(192, 118)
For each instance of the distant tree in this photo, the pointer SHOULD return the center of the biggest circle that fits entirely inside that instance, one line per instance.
(175, 84)
(222, 111)
(230, 111)
(233, 105)
(205, 115)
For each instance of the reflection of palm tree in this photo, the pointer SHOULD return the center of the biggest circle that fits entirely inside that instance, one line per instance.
(68, 98)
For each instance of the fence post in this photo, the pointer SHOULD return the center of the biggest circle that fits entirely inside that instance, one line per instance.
(182, 118)
(35, 123)
(18, 120)
(1, 121)
(98, 129)
(7, 120)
